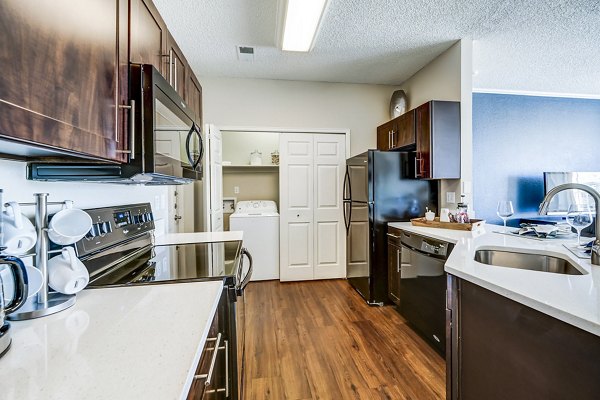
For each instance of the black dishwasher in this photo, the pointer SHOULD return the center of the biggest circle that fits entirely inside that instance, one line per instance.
(423, 286)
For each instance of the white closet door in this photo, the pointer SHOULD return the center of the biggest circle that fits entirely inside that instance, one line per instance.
(329, 232)
(296, 178)
(216, 178)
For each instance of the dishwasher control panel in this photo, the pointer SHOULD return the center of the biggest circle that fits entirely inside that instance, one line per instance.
(439, 249)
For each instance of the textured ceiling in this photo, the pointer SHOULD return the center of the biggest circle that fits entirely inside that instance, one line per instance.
(538, 45)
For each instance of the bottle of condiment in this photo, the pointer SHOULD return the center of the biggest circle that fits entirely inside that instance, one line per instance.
(462, 215)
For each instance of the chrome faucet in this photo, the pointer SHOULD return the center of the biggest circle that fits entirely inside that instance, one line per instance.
(592, 192)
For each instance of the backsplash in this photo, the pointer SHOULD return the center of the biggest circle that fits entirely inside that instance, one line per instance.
(85, 195)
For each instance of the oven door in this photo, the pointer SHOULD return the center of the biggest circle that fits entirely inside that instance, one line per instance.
(423, 295)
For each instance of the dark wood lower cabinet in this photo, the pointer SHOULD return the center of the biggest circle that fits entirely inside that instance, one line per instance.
(501, 349)
(394, 265)
(216, 375)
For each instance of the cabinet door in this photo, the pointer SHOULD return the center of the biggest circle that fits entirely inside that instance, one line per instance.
(384, 136)
(193, 96)
(62, 81)
(423, 138)
(148, 35)
(296, 197)
(329, 169)
(404, 134)
(177, 66)
(394, 272)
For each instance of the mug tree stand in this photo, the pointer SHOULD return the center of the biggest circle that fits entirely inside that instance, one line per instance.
(45, 302)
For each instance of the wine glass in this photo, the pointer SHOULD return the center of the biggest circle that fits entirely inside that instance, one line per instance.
(579, 217)
(505, 210)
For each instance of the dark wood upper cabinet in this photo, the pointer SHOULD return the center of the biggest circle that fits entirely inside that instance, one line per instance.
(437, 131)
(177, 68)
(193, 96)
(398, 133)
(148, 36)
(404, 134)
(63, 77)
(384, 136)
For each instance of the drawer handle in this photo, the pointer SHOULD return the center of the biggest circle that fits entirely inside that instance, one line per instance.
(213, 361)
(394, 236)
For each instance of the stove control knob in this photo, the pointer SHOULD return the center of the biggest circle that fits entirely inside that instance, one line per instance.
(93, 232)
(105, 227)
(150, 216)
(144, 217)
(136, 219)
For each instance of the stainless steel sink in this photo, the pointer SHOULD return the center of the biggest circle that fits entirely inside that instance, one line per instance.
(530, 261)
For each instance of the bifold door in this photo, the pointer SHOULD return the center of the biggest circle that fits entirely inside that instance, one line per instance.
(312, 229)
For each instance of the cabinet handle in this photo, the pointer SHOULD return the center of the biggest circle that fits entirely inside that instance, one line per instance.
(418, 166)
(213, 361)
(393, 134)
(398, 260)
(171, 67)
(389, 140)
(131, 108)
(226, 368)
(394, 236)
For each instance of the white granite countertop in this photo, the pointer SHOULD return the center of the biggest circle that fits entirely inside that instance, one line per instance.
(574, 299)
(198, 237)
(141, 342)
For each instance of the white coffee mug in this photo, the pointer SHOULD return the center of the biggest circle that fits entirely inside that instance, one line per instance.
(69, 225)
(66, 274)
(19, 233)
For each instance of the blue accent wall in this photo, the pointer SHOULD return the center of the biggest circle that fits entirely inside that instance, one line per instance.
(517, 138)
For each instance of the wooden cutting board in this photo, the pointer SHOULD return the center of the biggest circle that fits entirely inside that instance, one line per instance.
(474, 224)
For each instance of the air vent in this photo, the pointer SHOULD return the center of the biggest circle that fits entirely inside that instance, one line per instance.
(245, 53)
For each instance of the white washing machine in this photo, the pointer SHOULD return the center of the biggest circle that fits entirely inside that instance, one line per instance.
(259, 221)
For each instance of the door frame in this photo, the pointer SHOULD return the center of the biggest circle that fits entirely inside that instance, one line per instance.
(270, 129)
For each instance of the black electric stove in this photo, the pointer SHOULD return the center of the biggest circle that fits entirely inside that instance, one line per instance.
(119, 250)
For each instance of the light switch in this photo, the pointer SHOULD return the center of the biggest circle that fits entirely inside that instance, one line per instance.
(236, 190)
(450, 197)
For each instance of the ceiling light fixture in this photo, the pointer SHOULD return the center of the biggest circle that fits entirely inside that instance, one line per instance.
(302, 19)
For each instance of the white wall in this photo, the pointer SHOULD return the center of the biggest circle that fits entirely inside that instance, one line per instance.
(295, 104)
(85, 195)
(449, 77)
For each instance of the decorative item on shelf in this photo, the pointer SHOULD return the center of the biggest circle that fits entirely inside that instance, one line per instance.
(256, 158)
(275, 157)
(398, 104)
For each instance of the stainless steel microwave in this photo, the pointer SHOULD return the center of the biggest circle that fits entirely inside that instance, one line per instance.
(166, 144)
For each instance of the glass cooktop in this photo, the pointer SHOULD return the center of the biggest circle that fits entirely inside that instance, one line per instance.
(171, 263)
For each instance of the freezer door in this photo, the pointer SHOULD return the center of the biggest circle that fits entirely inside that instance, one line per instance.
(358, 182)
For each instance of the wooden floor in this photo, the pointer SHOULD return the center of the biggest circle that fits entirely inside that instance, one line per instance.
(319, 340)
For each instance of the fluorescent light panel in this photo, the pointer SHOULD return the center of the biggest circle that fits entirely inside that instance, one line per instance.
(301, 22)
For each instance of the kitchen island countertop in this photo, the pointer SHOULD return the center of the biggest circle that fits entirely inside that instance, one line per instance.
(141, 342)
(574, 299)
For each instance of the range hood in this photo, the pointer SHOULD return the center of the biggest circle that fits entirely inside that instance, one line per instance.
(103, 173)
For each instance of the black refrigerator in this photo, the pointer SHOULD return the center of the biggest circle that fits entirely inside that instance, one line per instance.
(377, 190)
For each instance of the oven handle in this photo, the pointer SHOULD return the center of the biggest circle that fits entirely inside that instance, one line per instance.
(242, 283)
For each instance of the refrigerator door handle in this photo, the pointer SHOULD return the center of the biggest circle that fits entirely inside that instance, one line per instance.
(347, 185)
(347, 216)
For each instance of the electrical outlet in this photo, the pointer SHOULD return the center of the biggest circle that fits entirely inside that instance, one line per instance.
(236, 190)
(450, 197)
